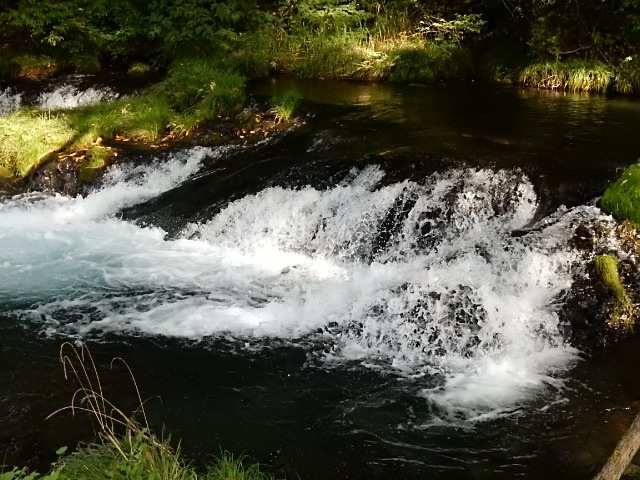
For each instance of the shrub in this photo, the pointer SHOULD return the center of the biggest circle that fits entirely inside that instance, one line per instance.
(430, 63)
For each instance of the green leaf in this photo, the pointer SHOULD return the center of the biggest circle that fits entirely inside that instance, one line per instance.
(61, 451)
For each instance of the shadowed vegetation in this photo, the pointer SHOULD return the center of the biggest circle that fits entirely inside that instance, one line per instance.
(211, 48)
(127, 449)
(583, 46)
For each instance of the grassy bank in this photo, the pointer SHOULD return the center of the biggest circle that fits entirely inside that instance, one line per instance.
(581, 76)
(138, 455)
(394, 46)
(194, 92)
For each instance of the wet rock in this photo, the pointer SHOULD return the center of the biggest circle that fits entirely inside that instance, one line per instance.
(596, 314)
(583, 238)
(60, 177)
(47, 179)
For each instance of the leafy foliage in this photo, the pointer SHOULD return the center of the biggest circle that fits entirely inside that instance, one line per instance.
(247, 35)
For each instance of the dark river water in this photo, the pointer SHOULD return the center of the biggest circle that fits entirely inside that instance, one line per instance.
(375, 293)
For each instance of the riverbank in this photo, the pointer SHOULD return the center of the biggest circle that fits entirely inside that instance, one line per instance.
(126, 448)
(208, 55)
(88, 138)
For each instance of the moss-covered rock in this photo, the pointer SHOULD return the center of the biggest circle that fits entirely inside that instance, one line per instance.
(620, 307)
(622, 198)
(601, 306)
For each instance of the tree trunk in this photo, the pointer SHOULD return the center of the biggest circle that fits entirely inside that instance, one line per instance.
(622, 455)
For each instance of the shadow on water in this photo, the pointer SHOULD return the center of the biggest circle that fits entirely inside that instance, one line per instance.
(274, 399)
(300, 420)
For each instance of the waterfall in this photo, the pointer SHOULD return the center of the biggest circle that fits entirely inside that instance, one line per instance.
(423, 280)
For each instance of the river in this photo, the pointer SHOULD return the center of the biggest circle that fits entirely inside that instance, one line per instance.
(375, 293)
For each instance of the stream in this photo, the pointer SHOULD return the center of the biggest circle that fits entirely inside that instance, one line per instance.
(377, 292)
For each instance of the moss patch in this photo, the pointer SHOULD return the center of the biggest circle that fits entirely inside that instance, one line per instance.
(622, 198)
(606, 268)
(606, 272)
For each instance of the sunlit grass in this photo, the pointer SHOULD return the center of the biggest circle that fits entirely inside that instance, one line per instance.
(194, 91)
(390, 49)
(28, 137)
(575, 76)
(143, 118)
(34, 66)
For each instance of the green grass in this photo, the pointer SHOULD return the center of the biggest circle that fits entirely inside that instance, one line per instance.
(96, 159)
(28, 137)
(194, 84)
(390, 49)
(628, 77)
(574, 76)
(144, 118)
(194, 91)
(139, 456)
(622, 198)
(283, 106)
(34, 66)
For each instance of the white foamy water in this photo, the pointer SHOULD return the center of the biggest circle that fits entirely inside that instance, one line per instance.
(71, 96)
(69, 93)
(10, 100)
(421, 279)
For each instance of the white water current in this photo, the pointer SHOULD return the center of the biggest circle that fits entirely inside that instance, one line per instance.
(66, 94)
(421, 279)
(10, 100)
